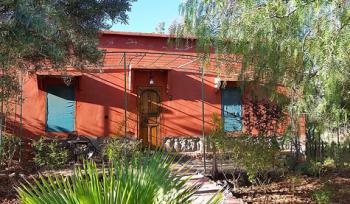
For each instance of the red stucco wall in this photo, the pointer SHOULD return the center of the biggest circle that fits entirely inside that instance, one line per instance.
(100, 96)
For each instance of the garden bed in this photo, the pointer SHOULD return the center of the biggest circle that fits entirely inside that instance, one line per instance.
(332, 187)
(10, 178)
(285, 191)
(16, 174)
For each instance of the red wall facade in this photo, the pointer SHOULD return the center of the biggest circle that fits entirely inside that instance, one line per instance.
(100, 96)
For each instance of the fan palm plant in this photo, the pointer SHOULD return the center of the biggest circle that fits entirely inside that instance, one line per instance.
(140, 180)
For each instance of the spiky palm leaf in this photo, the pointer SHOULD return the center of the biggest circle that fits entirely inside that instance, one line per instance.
(141, 180)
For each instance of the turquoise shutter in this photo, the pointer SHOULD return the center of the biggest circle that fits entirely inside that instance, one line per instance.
(60, 109)
(231, 99)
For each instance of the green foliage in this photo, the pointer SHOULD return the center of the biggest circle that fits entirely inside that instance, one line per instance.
(216, 139)
(54, 33)
(330, 154)
(311, 168)
(140, 180)
(160, 28)
(339, 153)
(302, 45)
(9, 146)
(49, 153)
(257, 155)
(294, 181)
(217, 133)
(9, 86)
(117, 149)
(324, 194)
(329, 162)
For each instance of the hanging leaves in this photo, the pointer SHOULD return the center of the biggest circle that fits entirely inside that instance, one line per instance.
(301, 44)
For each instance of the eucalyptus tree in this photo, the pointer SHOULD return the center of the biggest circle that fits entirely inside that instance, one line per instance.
(300, 44)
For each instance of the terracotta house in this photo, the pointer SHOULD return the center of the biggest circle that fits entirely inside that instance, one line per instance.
(146, 89)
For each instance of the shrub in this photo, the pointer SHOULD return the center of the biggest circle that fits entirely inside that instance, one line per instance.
(49, 153)
(329, 162)
(342, 155)
(323, 195)
(216, 139)
(310, 168)
(257, 156)
(9, 147)
(319, 150)
(121, 149)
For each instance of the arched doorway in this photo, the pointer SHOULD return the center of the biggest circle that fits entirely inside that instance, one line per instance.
(149, 112)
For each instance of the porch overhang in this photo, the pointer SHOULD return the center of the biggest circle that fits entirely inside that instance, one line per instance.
(58, 73)
(67, 77)
(160, 69)
(221, 82)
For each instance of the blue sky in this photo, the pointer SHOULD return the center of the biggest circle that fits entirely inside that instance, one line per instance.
(145, 15)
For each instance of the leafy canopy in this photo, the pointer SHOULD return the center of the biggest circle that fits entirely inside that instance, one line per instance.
(55, 32)
(301, 44)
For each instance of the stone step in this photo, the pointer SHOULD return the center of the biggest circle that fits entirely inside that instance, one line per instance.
(194, 169)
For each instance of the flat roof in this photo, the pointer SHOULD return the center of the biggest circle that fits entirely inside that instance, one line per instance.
(140, 34)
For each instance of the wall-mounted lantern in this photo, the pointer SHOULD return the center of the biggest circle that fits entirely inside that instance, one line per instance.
(217, 82)
(151, 81)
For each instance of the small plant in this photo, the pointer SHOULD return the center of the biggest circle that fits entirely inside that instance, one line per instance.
(294, 181)
(121, 149)
(49, 153)
(257, 156)
(323, 195)
(216, 139)
(311, 168)
(9, 148)
(329, 162)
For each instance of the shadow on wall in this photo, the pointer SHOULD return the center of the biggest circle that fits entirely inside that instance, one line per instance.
(100, 106)
(185, 89)
(100, 102)
(262, 116)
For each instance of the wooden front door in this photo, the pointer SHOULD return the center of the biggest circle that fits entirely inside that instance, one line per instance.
(149, 112)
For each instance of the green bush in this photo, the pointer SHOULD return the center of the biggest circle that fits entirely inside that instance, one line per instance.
(342, 156)
(145, 180)
(257, 155)
(216, 139)
(322, 151)
(9, 149)
(323, 195)
(311, 168)
(48, 153)
(121, 149)
(329, 162)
